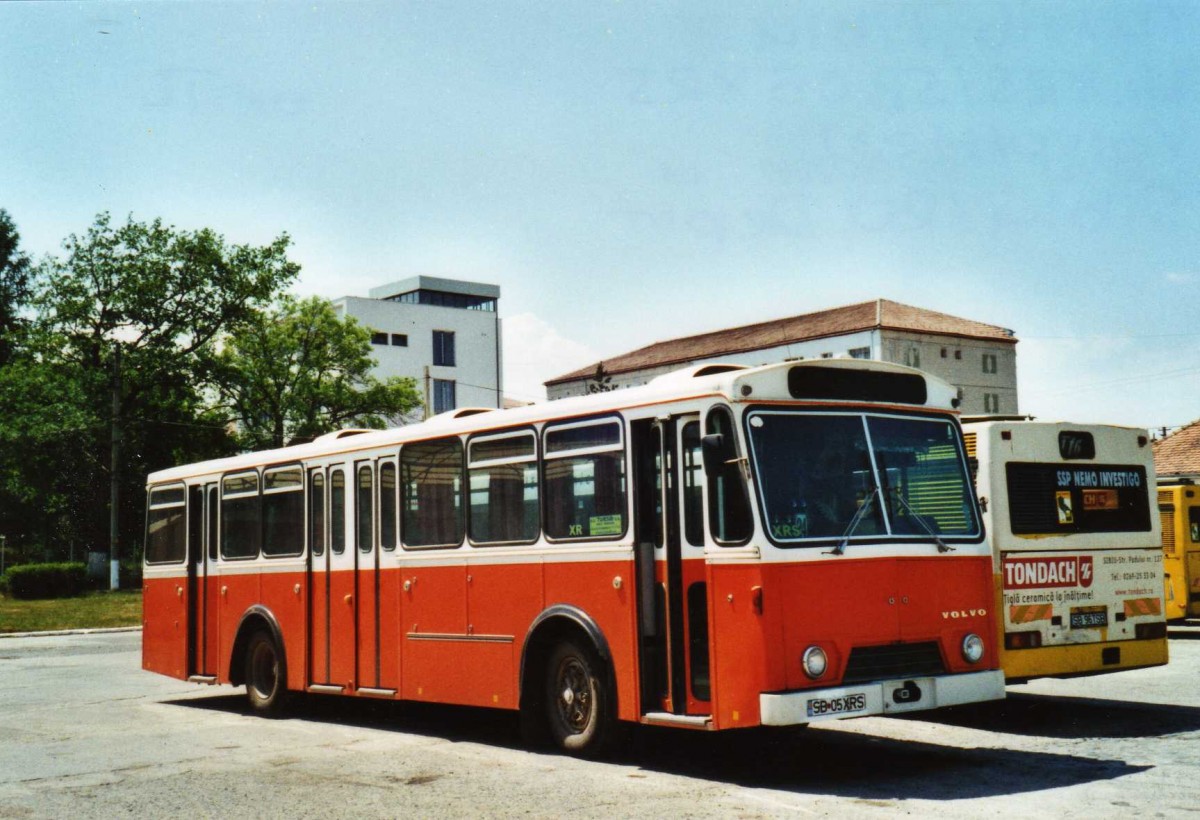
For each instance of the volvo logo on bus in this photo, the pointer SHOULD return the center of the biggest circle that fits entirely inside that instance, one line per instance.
(955, 614)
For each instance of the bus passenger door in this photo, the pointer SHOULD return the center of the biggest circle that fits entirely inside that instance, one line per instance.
(341, 619)
(366, 577)
(197, 581)
(318, 579)
(673, 603)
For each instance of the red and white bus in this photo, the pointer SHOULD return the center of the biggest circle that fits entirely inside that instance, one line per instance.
(724, 547)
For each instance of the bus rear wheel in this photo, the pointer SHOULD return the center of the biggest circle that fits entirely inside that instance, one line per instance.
(266, 675)
(579, 706)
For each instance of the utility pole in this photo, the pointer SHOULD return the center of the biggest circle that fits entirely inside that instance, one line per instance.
(114, 562)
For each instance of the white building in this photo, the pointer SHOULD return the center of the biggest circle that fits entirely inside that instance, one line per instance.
(980, 359)
(445, 333)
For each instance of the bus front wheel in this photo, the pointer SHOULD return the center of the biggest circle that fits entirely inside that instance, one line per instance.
(579, 706)
(266, 675)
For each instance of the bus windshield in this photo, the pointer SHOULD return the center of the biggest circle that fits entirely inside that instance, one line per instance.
(818, 474)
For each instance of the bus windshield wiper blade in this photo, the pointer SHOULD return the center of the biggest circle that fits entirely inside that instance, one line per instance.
(854, 522)
(941, 545)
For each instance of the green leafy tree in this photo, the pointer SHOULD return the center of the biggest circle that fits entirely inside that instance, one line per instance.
(134, 310)
(298, 371)
(14, 285)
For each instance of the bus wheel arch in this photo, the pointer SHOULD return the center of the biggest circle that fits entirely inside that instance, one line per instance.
(566, 665)
(259, 661)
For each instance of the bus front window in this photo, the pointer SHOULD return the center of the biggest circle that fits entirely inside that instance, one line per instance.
(850, 477)
(814, 474)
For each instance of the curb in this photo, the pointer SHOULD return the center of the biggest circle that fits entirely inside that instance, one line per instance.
(54, 633)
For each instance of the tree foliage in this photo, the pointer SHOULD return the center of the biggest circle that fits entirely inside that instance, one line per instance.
(297, 370)
(14, 285)
(155, 299)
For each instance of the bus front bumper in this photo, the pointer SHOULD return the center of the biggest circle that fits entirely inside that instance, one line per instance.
(888, 697)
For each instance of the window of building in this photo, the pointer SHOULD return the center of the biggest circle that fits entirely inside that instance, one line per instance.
(585, 480)
(443, 348)
(443, 395)
(989, 362)
(431, 474)
(860, 353)
(912, 357)
(439, 298)
(399, 340)
(503, 477)
(379, 338)
(991, 403)
(944, 353)
(958, 354)
(283, 511)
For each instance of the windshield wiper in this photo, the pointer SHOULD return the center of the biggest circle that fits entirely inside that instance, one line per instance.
(920, 519)
(854, 522)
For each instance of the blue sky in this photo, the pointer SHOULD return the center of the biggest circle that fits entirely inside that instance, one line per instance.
(628, 172)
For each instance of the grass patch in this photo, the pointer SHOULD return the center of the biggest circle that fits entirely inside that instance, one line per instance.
(93, 610)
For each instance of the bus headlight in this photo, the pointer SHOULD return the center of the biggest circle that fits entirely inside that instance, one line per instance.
(972, 648)
(814, 662)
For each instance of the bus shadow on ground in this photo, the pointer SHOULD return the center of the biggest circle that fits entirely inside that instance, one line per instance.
(816, 761)
(1074, 718)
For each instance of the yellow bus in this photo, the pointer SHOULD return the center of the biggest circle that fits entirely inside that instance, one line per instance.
(1179, 511)
(1076, 547)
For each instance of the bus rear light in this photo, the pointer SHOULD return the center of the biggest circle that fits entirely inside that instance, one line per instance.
(814, 662)
(1148, 631)
(972, 648)
(1022, 640)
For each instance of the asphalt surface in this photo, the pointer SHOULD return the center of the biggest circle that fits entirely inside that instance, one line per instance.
(84, 732)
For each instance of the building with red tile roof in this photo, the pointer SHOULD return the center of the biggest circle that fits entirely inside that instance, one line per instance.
(979, 358)
(1178, 455)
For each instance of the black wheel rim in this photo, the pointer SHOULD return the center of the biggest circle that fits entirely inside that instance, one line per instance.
(573, 695)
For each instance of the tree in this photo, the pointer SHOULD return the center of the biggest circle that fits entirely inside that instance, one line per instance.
(14, 284)
(154, 298)
(298, 371)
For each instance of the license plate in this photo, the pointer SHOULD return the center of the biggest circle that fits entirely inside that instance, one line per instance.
(819, 707)
(1084, 617)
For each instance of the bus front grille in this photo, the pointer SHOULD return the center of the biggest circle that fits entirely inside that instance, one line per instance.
(902, 660)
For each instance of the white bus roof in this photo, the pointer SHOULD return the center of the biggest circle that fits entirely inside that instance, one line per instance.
(734, 383)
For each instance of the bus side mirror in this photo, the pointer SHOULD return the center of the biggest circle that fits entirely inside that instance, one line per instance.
(715, 452)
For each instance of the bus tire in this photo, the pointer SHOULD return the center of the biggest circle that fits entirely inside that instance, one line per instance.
(266, 675)
(580, 708)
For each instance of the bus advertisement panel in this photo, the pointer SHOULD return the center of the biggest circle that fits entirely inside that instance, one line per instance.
(1079, 581)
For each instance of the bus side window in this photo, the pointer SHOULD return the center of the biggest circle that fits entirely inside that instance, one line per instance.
(337, 511)
(503, 478)
(729, 516)
(364, 508)
(166, 533)
(585, 480)
(431, 474)
(693, 486)
(241, 516)
(1194, 524)
(283, 512)
(387, 505)
(316, 512)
